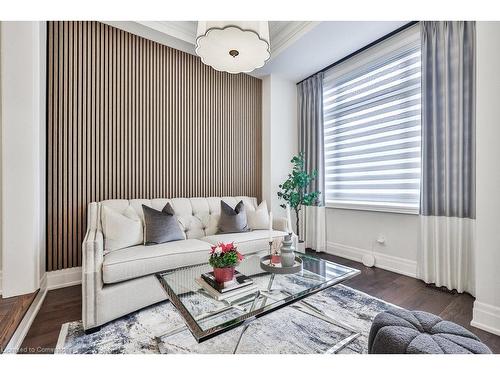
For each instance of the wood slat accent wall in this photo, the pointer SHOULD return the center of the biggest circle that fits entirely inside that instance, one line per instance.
(131, 118)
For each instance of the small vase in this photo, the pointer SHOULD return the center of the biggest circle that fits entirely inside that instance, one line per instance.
(223, 275)
(287, 252)
(275, 259)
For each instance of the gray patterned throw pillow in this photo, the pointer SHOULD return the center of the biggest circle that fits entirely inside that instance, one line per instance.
(232, 221)
(161, 226)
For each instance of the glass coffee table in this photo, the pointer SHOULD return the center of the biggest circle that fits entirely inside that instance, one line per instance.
(206, 317)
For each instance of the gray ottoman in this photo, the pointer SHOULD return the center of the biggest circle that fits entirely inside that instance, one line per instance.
(399, 331)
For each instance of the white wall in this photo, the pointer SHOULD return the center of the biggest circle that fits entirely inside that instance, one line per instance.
(23, 47)
(266, 139)
(350, 233)
(486, 314)
(354, 233)
(279, 136)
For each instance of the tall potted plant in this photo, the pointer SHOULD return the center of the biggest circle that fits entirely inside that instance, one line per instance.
(294, 189)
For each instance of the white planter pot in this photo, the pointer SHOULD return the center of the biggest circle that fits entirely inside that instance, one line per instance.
(301, 247)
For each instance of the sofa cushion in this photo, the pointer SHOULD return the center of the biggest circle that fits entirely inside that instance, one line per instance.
(161, 226)
(247, 242)
(258, 219)
(121, 229)
(232, 220)
(137, 261)
(198, 217)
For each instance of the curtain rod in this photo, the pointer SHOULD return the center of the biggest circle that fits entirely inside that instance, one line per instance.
(398, 30)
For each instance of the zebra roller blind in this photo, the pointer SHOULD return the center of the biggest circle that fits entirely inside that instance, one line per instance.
(372, 128)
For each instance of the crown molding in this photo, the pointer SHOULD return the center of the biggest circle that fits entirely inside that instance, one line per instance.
(282, 34)
(289, 33)
(159, 32)
(183, 30)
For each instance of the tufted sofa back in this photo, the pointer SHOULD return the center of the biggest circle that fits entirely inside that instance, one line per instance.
(198, 217)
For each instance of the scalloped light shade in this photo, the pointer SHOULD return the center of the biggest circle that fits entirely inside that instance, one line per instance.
(233, 46)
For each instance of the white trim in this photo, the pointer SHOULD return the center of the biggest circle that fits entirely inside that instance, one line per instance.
(486, 317)
(281, 37)
(63, 333)
(145, 31)
(22, 329)
(399, 265)
(183, 30)
(23, 125)
(289, 34)
(64, 278)
(0, 282)
(50, 280)
(373, 207)
(181, 35)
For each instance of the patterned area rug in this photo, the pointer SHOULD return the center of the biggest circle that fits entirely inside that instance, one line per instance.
(283, 331)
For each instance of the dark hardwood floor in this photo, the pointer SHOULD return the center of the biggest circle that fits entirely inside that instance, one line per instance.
(413, 294)
(12, 311)
(64, 305)
(60, 306)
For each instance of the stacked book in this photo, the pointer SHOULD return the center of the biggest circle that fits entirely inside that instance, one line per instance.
(239, 285)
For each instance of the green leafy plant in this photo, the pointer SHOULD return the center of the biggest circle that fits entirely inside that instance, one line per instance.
(294, 190)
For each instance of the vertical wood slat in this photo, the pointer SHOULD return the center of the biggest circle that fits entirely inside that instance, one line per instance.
(130, 118)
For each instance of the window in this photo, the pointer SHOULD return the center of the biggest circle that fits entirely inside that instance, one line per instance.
(372, 127)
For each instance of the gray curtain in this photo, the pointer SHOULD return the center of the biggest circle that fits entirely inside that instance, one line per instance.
(310, 121)
(448, 119)
(448, 193)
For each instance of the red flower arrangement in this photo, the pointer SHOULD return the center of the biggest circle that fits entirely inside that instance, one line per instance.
(223, 258)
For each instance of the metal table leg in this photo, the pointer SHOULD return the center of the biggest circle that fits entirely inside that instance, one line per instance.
(245, 327)
(212, 315)
(303, 306)
(312, 310)
(201, 317)
(308, 308)
(269, 286)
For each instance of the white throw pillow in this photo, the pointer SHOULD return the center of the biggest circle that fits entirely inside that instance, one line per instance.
(258, 219)
(121, 230)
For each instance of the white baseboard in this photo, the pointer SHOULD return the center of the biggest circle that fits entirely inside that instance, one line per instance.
(486, 317)
(50, 280)
(22, 330)
(387, 262)
(64, 278)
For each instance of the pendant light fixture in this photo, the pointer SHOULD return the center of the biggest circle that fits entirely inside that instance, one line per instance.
(233, 46)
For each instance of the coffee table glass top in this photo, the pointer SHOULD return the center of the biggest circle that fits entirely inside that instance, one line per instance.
(207, 317)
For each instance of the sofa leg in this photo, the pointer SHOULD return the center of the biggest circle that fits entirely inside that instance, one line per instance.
(92, 330)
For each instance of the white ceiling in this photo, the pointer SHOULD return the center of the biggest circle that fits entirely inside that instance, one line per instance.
(324, 44)
(298, 48)
(280, 32)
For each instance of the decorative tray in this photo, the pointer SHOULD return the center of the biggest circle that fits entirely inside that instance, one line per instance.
(266, 265)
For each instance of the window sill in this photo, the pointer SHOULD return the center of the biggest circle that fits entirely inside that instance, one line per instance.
(373, 207)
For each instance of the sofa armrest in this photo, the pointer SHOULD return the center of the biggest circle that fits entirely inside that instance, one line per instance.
(280, 223)
(92, 251)
(92, 259)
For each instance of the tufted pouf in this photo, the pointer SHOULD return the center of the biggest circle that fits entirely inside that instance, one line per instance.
(400, 331)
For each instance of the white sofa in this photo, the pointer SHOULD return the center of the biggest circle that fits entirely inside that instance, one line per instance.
(122, 281)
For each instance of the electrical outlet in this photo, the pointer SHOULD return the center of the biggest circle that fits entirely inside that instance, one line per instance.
(381, 239)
